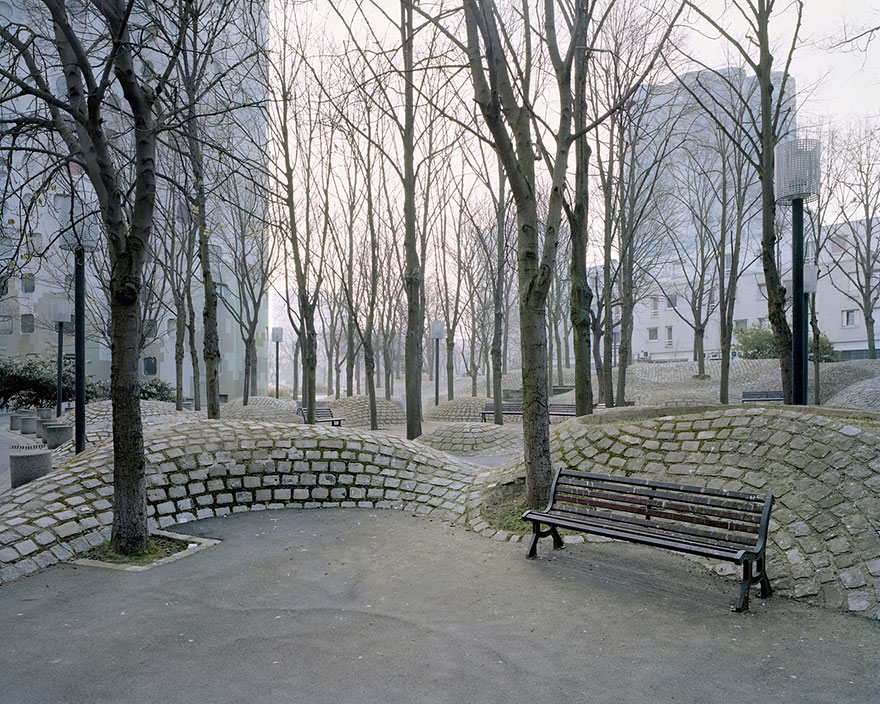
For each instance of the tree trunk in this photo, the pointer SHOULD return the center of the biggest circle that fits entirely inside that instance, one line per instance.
(247, 375)
(194, 351)
(179, 350)
(699, 339)
(296, 348)
(450, 368)
(498, 303)
(412, 279)
(814, 325)
(369, 373)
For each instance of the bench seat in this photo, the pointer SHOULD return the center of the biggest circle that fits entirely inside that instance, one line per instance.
(323, 414)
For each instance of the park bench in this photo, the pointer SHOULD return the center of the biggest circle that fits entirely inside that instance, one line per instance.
(761, 396)
(323, 414)
(516, 409)
(714, 523)
(507, 409)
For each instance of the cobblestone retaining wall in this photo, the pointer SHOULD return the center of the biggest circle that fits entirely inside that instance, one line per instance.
(466, 409)
(214, 468)
(824, 544)
(356, 411)
(469, 439)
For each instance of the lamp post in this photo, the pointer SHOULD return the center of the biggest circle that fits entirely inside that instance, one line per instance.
(437, 332)
(277, 338)
(797, 180)
(60, 315)
(81, 236)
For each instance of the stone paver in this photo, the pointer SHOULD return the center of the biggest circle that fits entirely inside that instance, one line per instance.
(469, 439)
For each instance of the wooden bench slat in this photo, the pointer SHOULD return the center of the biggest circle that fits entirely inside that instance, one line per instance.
(730, 554)
(663, 499)
(656, 511)
(686, 488)
(668, 525)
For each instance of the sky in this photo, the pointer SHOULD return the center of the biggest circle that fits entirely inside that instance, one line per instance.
(837, 84)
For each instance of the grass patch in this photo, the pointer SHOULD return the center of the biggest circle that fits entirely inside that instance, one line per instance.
(159, 547)
(503, 507)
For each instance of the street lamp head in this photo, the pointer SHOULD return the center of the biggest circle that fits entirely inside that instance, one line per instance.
(277, 334)
(61, 311)
(797, 170)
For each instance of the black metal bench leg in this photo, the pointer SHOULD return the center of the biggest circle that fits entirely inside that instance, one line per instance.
(742, 604)
(557, 540)
(766, 589)
(533, 547)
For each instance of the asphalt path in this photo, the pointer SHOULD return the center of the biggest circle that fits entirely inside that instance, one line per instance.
(352, 605)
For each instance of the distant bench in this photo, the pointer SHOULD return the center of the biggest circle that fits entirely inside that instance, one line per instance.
(323, 414)
(762, 397)
(714, 523)
(516, 409)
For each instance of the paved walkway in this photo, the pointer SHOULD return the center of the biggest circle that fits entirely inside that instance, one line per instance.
(351, 605)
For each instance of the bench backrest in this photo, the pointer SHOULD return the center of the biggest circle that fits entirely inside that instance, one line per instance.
(321, 412)
(563, 408)
(729, 519)
(505, 408)
(761, 395)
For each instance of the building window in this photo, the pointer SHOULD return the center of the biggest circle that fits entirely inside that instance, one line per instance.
(669, 336)
(671, 302)
(5, 325)
(849, 318)
(652, 335)
(655, 306)
(740, 324)
(151, 329)
(28, 284)
(728, 262)
(149, 366)
(172, 325)
(27, 323)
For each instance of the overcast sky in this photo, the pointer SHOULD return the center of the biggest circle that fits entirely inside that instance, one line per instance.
(838, 84)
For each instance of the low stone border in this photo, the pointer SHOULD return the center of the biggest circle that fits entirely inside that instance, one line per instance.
(196, 544)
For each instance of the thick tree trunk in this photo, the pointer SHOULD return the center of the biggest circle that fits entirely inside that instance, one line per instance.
(179, 350)
(450, 367)
(412, 278)
(699, 339)
(130, 533)
(246, 391)
(370, 374)
(814, 325)
(193, 351)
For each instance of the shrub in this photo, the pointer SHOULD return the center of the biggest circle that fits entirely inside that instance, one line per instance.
(827, 353)
(755, 342)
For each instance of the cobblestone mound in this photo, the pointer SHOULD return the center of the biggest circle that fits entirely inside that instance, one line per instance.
(466, 409)
(214, 468)
(863, 395)
(356, 411)
(470, 439)
(262, 408)
(99, 423)
(824, 544)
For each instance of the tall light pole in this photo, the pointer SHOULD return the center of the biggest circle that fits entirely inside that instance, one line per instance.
(437, 333)
(82, 235)
(60, 315)
(277, 338)
(797, 180)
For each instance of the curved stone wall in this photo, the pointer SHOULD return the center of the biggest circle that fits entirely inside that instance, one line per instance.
(214, 468)
(825, 475)
(470, 439)
(465, 409)
(862, 395)
(356, 411)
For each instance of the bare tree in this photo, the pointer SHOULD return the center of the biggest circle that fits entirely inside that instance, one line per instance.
(767, 123)
(859, 235)
(92, 47)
